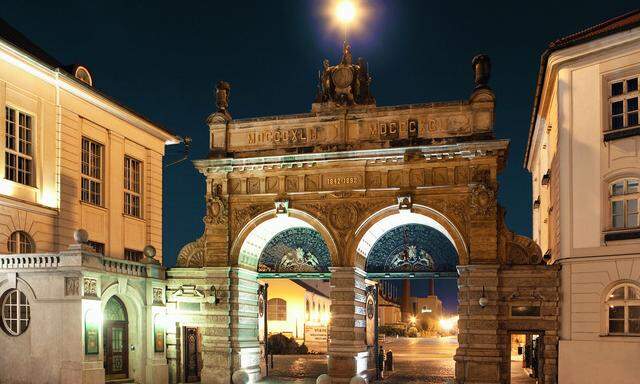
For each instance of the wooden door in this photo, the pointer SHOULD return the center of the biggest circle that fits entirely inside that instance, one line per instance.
(116, 351)
(192, 362)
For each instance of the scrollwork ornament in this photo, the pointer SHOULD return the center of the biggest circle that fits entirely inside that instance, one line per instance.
(217, 212)
(483, 200)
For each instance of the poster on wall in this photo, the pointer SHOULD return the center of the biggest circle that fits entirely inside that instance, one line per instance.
(91, 337)
(158, 337)
(370, 313)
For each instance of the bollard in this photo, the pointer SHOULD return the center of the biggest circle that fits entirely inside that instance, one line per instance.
(323, 379)
(357, 380)
(380, 363)
(271, 360)
(389, 362)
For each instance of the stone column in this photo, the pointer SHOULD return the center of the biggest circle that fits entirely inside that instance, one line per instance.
(347, 349)
(230, 340)
(480, 351)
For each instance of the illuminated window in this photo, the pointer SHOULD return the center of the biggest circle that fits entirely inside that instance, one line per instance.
(20, 242)
(623, 196)
(623, 101)
(276, 310)
(15, 312)
(623, 306)
(132, 255)
(18, 145)
(92, 176)
(132, 187)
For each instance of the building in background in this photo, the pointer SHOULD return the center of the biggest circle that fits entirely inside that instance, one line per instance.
(299, 309)
(584, 157)
(77, 307)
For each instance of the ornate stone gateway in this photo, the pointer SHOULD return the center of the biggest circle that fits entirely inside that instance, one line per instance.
(356, 180)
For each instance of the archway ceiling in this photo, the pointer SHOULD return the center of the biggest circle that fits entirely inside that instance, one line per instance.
(286, 244)
(388, 223)
(428, 250)
(296, 249)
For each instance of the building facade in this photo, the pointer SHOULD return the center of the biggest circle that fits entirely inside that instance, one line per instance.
(78, 306)
(354, 192)
(584, 157)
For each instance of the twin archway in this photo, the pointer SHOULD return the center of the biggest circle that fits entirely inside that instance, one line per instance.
(256, 246)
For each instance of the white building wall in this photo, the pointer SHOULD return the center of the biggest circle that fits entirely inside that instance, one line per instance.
(590, 266)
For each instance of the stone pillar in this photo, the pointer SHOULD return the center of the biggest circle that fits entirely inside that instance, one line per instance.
(480, 352)
(227, 321)
(230, 340)
(347, 349)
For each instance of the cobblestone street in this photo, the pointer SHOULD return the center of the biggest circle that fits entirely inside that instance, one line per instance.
(419, 360)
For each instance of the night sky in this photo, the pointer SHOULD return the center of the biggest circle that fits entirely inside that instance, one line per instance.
(163, 58)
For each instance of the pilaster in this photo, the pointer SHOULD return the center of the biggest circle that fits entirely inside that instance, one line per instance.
(347, 350)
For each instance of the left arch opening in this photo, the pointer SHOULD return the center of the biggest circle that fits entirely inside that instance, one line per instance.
(285, 245)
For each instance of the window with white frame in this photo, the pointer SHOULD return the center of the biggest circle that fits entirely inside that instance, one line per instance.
(623, 307)
(623, 103)
(15, 312)
(277, 309)
(92, 174)
(623, 196)
(20, 242)
(132, 187)
(18, 146)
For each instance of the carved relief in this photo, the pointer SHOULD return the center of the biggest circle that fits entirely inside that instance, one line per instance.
(71, 286)
(343, 216)
(311, 182)
(482, 174)
(234, 185)
(374, 179)
(516, 249)
(291, 184)
(90, 287)
(216, 211)
(241, 216)
(416, 177)
(253, 185)
(483, 200)
(462, 175)
(395, 178)
(192, 254)
(440, 176)
(271, 184)
(157, 296)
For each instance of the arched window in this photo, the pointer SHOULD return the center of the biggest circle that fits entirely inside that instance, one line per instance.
(15, 312)
(623, 198)
(623, 307)
(276, 310)
(20, 242)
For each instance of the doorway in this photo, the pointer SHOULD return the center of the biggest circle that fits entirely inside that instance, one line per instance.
(526, 357)
(116, 340)
(193, 359)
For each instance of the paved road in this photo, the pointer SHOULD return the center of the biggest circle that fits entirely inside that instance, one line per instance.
(421, 360)
(416, 360)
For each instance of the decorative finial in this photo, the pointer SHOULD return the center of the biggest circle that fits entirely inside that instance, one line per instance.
(223, 89)
(81, 236)
(481, 65)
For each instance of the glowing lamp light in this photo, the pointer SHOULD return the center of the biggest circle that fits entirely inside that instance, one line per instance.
(448, 324)
(92, 318)
(346, 11)
(413, 319)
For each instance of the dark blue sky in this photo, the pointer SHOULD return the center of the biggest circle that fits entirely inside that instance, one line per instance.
(163, 58)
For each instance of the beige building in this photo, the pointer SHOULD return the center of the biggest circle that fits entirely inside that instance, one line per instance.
(584, 157)
(76, 310)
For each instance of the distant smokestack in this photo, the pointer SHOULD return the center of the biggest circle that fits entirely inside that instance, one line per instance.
(406, 306)
(432, 287)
